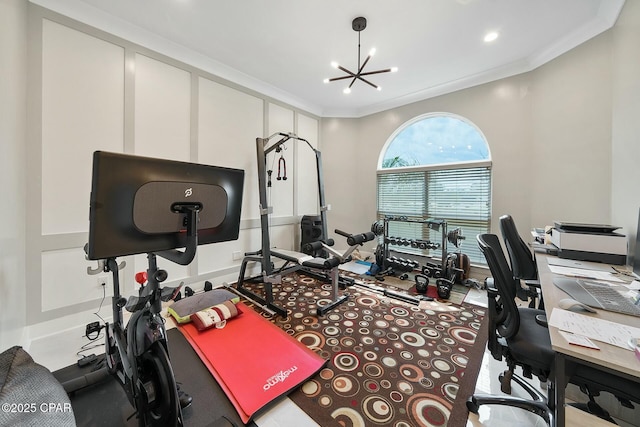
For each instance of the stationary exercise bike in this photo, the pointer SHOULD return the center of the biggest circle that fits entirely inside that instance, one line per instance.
(137, 354)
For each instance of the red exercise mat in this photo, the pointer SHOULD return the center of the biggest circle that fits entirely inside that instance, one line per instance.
(253, 360)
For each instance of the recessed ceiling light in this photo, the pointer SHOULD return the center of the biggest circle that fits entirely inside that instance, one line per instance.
(490, 36)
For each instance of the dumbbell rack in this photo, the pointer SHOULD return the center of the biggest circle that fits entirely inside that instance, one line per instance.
(434, 224)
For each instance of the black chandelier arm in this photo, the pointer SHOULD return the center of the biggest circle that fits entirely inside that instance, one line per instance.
(341, 78)
(341, 68)
(363, 64)
(368, 73)
(366, 81)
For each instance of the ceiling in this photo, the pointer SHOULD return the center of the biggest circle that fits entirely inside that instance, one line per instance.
(283, 48)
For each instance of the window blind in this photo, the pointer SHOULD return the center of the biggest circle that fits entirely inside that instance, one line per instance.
(461, 196)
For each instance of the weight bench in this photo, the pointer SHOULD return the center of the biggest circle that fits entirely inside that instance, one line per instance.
(295, 261)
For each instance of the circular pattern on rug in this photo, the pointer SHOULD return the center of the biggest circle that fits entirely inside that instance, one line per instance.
(406, 355)
(367, 301)
(412, 339)
(464, 335)
(411, 373)
(443, 366)
(426, 383)
(377, 409)
(371, 386)
(345, 385)
(325, 401)
(326, 374)
(450, 390)
(347, 341)
(333, 341)
(460, 360)
(400, 311)
(429, 333)
(331, 331)
(311, 388)
(347, 417)
(311, 339)
(373, 370)
(389, 361)
(404, 323)
(405, 387)
(428, 410)
(346, 361)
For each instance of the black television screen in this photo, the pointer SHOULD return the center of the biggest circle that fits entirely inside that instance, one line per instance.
(133, 204)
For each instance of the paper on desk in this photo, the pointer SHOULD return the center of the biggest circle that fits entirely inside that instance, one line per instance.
(591, 327)
(585, 265)
(584, 274)
(634, 286)
(578, 340)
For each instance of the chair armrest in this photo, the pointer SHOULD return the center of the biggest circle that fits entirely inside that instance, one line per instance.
(541, 319)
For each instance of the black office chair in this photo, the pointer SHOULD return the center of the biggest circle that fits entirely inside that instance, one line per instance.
(523, 263)
(516, 337)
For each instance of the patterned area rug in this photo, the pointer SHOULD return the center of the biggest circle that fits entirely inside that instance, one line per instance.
(390, 363)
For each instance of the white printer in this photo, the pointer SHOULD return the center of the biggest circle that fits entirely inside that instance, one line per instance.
(589, 242)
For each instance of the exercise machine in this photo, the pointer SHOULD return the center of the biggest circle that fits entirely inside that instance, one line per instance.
(325, 269)
(161, 208)
(264, 257)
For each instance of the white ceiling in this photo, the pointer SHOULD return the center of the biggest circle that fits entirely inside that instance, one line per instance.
(283, 48)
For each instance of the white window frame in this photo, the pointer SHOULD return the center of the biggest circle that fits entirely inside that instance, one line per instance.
(469, 245)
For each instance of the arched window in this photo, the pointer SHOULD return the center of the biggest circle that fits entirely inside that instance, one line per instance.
(436, 166)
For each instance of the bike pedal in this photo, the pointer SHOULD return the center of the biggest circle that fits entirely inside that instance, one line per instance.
(185, 399)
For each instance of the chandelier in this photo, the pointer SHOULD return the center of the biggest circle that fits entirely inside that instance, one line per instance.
(358, 25)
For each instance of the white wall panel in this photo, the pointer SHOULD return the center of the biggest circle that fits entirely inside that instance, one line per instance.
(82, 111)
(306, 171)
(220, 255)
(229, 121)
(280, 195)
(162, 110)
(63, 286)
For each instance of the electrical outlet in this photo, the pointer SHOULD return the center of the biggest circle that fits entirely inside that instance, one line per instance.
(102, 281)
(237, 256)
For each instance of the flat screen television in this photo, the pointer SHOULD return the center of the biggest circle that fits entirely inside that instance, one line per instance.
(135, 204)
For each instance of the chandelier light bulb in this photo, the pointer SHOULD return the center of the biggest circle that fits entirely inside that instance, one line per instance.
(325, 81)
(347, 90)
(334, 64)
(491, 36)
(394, 69)
(372, 51)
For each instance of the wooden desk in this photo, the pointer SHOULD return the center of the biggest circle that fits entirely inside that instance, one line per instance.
(609, 358)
